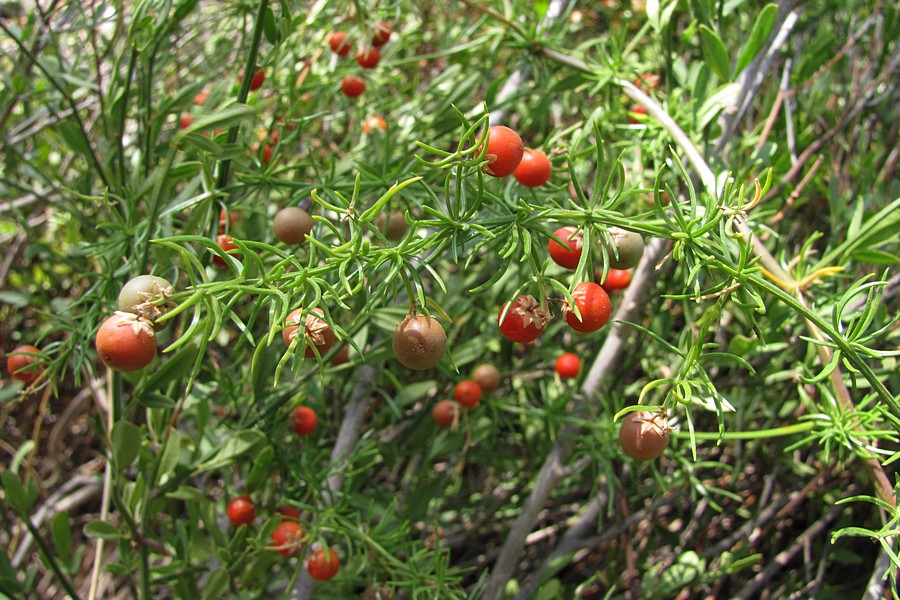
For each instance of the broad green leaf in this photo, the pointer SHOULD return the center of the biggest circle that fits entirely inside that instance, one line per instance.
(234, 447)
(9, 582)
(102, 529)
(62, 535)
(715, 53)
(270, 27)
(14, 492)
(126, 441)
(758, 37)
(74, 138)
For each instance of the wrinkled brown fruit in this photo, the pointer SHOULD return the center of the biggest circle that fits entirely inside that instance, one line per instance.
(419, 342)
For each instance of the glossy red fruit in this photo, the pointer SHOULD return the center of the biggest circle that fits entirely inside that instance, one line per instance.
(525, 320)
(126, 342)
(226, 220)
(568, 366)
(323, 564)
(292, 224)
(534, 170)
(226, 243)
(569, 255)
(644, 435)
(304, 420)
(374, 122)
(287, 537)
(368, 58)
(317, 331)
(267, 154)
(185, 121)
(241, 511)
(341, 357)
(352, 86)
(381, 34)
(258, 79)
(593, 304)
(467, 393)
(616, 279)
(504, 151)
(21, 363)
(647, 82)
(419, 342)
(445, 412)
(288, 511)
(337, 41)
(201, 97)
(487, 376)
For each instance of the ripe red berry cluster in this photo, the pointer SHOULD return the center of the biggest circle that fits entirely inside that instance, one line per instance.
(368, 57)
(467, 395)
(288, 538)
(506, 155)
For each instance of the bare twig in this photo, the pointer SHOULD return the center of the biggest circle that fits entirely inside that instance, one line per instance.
(70, 495)
(786, 556)
(632, 304)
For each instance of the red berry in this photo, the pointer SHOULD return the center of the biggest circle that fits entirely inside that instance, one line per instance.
(644, 435)
(304, 420)
(288, 511)
(241, 511)
(126, 342)
(368, 59)
(21, 364)
(287, 537)
(382, 33)
(445, 412)
(267, 154)
(258, 79)
(337, 40)
(317, 332)
(635, 112)
(341, 357)
(352, 86)
(504, 151)
(616, 279)
(569, 255)
(568, 365)
(185, 121)
(467, 393)
(200, 98)
(226, 220)
(593, 304)
(227, 245)
(323, 564)
(374, 122)
(534, 170)
(647, 82)
(525, 320)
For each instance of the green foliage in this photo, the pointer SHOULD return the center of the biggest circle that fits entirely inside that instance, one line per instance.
(765, 327)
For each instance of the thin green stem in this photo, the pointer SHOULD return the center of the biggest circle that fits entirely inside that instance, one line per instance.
(749, 435)
(49, 558)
